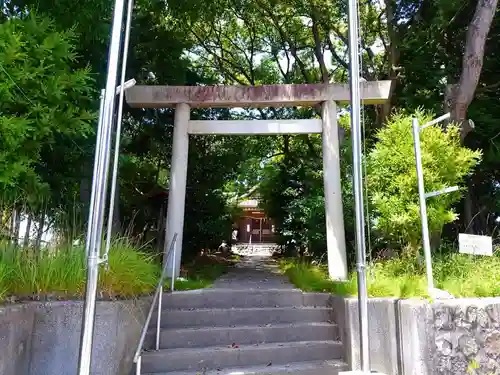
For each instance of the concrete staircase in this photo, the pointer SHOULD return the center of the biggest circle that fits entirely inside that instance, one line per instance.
(250, 331)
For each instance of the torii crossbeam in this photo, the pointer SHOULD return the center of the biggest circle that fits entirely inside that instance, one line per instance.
(375, 92)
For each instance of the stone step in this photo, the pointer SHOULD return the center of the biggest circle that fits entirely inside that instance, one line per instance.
(332, 367)
(213, 358)
(181, 318)
(230, 298)
(245, 335)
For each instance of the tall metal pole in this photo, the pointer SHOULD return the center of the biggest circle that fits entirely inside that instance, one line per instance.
(99, 186)
(96, 166)
(114, 177)
(358, 184)
(423, 207)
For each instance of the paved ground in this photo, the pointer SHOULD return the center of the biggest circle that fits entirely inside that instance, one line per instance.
(256, 271)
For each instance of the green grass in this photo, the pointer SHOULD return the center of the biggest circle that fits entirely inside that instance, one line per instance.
(202, 272)
(461, 275)
(60, 274)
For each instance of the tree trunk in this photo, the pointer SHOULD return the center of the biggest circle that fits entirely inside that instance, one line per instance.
(435, 240)
(393, 60)
(26, 241)
(17, 225)
(41, 224)
(468, 211)
(458, 97)
(116, 223)
(472, 64)
(318, 48)
(85, 193)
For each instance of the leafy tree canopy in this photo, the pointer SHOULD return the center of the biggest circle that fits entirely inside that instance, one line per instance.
(45, 106)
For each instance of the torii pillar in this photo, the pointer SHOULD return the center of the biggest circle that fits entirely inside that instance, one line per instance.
(334, 210)
(185, 97)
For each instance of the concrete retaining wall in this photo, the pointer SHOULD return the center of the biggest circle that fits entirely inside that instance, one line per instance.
(16, 327)
(416, 337)
(43, 338)
(383, 328)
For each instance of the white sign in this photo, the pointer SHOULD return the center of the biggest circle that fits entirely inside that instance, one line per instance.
(475, 245)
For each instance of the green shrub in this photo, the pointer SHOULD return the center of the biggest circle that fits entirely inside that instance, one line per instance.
(392, 182)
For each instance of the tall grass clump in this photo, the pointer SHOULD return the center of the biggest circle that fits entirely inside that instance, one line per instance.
(131, 272)
(61, 273)
(44, 273)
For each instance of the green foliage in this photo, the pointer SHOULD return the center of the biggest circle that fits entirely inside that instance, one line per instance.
(404, 277)
(45, 112)
(467, 275)
(392, 183)
(132, 272)
(314, 278)
(157, 43)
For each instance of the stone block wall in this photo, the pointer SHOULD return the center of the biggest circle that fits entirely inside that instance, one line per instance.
(467, 336)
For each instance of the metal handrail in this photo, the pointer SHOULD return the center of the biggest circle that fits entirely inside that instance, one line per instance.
(157, 297)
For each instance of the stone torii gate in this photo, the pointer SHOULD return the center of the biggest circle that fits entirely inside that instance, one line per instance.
(183, 98)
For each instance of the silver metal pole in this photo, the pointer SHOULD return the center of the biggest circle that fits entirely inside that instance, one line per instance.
(114, 177)
(172, 281)
(436, 121)
(358, 184)
(158, 318)
(138, 366)
(446, 190)
(99, 186)
(96, 166)
(423, 207)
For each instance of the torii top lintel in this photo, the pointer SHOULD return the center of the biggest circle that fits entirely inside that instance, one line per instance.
(374, 92)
